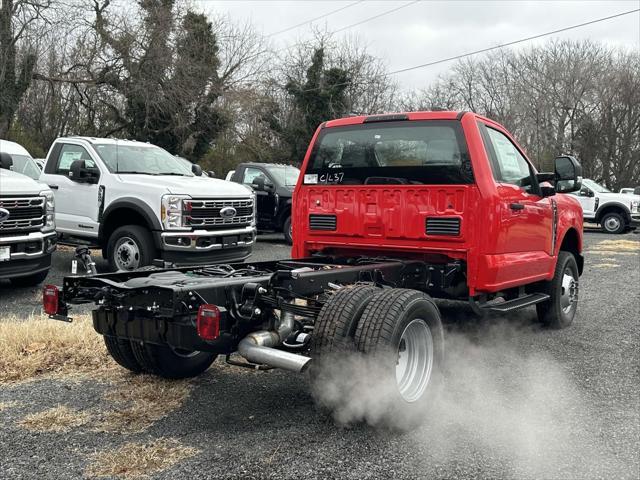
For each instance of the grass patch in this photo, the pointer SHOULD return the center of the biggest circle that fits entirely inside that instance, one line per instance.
(7, 405)
(136, 460)
(616, 246)
(57, 419)
(36, 346)
(137, 402)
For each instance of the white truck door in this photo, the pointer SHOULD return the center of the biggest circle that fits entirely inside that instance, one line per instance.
(587, 199)
(77, 203)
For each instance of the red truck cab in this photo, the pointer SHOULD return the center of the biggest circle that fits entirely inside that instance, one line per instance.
(434, 185)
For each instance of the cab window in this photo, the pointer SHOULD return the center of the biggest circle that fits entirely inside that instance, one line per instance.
(70, 153)
(250, 174)
(508, 164)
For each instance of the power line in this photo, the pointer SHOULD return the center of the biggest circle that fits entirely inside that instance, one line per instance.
(293, 27)
(387, 12)
(475, 52)
(376, 16)
(456, 57)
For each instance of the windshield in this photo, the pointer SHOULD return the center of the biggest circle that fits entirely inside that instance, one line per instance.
(25, 165)
(594, 186)
(141, 159)
(427, 152)
(284, 174)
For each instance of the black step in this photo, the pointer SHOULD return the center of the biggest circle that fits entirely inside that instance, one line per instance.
(516, 303)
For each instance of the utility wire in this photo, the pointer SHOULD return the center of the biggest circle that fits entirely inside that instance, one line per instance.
(376, 16)
(293, 27)
(475, 52)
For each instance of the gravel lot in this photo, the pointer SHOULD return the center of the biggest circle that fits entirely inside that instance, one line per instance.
(524, 402)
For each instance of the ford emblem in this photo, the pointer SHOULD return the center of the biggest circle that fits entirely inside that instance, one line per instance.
(4, 214)
(228, 212)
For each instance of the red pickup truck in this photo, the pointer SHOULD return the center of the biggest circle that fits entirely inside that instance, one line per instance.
(390, 211)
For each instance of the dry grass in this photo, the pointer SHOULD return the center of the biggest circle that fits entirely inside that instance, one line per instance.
(38, 346)
(136, 460)
(6, 405)
(616, 247)
(139, 401)
(57, 419)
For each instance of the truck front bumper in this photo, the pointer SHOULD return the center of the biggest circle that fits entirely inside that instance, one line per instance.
(28, 254)
(207, 246)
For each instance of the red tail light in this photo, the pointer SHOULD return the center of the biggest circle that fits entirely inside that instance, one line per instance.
(50, 296)
(208, 322)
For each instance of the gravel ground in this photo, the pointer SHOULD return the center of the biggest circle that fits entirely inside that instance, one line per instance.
(526, 402)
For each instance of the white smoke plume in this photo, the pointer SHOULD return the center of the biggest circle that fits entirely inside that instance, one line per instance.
(520, 412)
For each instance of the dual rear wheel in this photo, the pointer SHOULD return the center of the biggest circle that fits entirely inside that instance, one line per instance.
(160, 360)
(394, 337)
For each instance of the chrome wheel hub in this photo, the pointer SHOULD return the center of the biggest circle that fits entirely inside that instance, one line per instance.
(569, 293)
(415, 360)
(612, 224)
(127, 254)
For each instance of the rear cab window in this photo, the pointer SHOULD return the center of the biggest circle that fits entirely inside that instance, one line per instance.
(401, 152)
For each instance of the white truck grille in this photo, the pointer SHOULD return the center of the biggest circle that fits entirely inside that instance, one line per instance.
(26, 214)
(212, 214)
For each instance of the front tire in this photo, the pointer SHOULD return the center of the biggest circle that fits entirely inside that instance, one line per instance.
(288, 232)
(167, 362)
(130, 247)
(558, 312)
(613, 223)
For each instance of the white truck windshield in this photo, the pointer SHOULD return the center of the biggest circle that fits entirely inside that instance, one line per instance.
(141, 159)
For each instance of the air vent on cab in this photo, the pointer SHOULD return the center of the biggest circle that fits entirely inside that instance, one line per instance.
(449, 226)
(322, 222)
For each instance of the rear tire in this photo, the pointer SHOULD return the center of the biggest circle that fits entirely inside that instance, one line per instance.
(613, 223)
(558, 312)
(336, 324)
(286, 229)
(30, 280)
(130, 247)
(163, 361)
(121, 351)
(401, 332)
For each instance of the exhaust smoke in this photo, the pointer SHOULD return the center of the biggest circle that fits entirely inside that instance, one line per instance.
(517, 411)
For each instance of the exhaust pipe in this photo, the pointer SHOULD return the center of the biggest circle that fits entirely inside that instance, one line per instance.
(257, 347)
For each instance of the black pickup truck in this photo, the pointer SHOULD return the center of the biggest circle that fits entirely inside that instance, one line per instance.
(273, 184)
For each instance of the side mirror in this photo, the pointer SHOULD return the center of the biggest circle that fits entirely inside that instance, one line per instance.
(568, 174)
(196, 170)
(211, 174)
(258, 183)
(6, 161)
(79, 172)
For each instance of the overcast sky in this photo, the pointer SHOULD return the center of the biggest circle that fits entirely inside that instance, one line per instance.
(431, 30)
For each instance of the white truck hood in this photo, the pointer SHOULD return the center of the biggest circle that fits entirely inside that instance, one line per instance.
(624, 198)
(194, 186)
(13, 183)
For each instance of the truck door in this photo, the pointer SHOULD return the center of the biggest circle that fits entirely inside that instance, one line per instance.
(527, 224)
(266, 198)
(77, 203)
(587, 199)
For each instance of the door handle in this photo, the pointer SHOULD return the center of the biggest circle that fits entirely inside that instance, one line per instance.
(516, 206)
(53, 187)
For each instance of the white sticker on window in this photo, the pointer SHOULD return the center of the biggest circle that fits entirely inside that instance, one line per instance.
(311, 178)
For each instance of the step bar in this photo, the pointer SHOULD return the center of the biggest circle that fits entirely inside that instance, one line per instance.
(516, 303)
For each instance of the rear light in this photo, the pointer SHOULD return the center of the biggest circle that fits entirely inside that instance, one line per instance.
(50, 297)
(208, 323)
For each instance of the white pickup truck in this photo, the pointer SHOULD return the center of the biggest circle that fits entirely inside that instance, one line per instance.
(615, 212)
(138, 203)
(27, 224)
